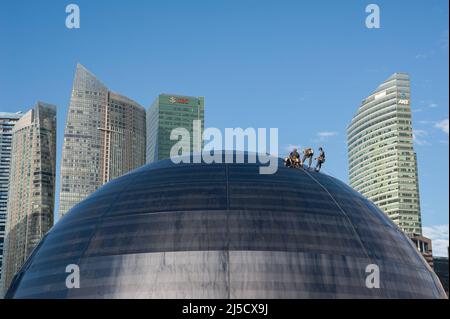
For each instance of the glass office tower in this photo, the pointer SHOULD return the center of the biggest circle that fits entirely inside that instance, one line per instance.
(382, 161)
(31, 193)
(104, 138)
(7, 121)
(167, 113)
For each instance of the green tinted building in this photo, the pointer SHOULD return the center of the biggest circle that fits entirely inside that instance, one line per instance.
(382, 160)
(167, 113)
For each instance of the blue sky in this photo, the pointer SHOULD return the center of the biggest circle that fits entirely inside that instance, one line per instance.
(300, 66)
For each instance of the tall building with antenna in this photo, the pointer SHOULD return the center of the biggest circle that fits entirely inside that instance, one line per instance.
(104, 138)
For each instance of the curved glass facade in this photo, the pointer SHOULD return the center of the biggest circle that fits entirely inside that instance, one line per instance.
(382, 161)
(224, 231)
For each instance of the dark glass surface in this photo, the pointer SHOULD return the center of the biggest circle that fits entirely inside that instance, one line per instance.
(225, 231)
(441, 270)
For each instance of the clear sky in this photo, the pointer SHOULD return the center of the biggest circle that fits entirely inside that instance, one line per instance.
(300, 66)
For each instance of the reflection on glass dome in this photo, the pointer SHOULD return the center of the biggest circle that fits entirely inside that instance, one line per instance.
(225, 231)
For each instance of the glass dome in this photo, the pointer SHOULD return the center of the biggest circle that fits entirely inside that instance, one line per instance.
(225, 231)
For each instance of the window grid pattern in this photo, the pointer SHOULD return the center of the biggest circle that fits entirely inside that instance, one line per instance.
(382, 161)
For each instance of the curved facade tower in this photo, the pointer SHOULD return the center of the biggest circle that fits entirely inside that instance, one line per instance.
(382, 161)
(104, 138)
(225, 231)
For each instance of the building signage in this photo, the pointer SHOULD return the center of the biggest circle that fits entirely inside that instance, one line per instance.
(174, 100)
(403, 101)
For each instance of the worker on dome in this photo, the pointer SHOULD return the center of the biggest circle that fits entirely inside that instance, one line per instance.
(320, 159)
(308, 155)
(293, 160)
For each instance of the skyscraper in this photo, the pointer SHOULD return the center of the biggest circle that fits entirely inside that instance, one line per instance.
(7, 121)
(104, 138)
(169, 112)
(382, 161)
(31, 193)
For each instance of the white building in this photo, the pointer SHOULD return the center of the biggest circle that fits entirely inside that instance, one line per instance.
(382, 161)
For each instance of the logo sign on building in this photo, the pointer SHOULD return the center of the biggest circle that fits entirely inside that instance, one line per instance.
(403, 101)
(174, 100)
